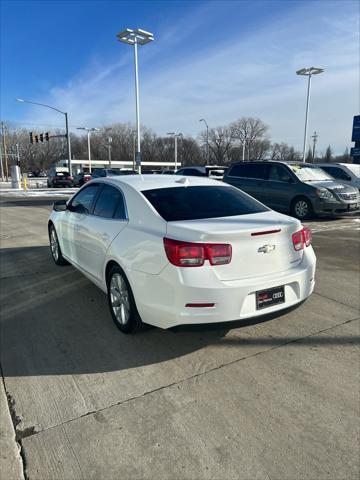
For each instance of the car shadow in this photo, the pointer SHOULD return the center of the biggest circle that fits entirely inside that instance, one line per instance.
(54, 322)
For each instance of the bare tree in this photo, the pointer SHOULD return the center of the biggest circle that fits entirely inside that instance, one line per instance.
(251, 131)
(220, 144)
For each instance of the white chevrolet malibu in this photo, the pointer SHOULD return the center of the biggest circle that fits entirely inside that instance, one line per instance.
(170, 251)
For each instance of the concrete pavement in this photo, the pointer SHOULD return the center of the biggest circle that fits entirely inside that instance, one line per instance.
(276, 399)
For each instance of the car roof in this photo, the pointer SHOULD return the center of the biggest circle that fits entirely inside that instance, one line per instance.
(149, 182)
(283, 162)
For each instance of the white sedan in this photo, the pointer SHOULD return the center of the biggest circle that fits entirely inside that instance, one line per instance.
(172, 250)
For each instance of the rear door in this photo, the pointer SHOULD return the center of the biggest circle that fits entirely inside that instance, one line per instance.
(108, 219)
(249, 177)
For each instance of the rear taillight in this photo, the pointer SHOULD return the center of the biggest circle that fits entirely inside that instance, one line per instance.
(302, 238)
(187, 254)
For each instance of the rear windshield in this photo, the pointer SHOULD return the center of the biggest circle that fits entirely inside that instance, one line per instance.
(195, 203)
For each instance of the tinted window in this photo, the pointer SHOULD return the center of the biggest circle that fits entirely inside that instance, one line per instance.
(193, 203)
(193, 172)
(86, 197)
(98, 173)
(113, 172)
(248, 170)
(279, 173)
(108, 202)
(337, 173)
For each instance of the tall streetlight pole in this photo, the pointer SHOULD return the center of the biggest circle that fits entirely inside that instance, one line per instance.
(89, 131)
(207, 138)
(136, 37)
(176, 136)
(308, 72)
(66, 126)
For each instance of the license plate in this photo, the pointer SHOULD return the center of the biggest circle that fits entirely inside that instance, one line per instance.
(353, 206)
(270, 297)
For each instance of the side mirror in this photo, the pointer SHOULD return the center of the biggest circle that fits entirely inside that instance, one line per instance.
(60, 206)
(78, 209)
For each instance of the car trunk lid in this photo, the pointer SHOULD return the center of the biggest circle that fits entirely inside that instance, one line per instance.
(261, 243)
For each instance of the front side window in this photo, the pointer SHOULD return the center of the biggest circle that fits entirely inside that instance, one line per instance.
(109, 202)
(197, 202)
(279, 173)
(85, 198)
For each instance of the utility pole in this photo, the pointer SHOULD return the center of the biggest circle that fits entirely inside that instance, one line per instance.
(3, 131)
(314, 137)
(243, 150)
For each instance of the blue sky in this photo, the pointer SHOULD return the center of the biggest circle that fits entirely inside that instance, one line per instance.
(217, 60)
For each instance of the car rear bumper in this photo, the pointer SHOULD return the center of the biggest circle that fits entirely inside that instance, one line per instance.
(161, 299)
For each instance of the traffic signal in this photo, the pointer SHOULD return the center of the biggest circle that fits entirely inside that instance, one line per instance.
(47, 136)
(41, 137)
(31, 137)
(36, 139)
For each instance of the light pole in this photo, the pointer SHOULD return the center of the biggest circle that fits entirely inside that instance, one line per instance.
(136, 37)
(89, 130)
(207, 138)
(176, 136)
(66, 126)
(308, 72)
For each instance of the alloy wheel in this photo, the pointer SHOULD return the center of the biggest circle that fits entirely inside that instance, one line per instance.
(119, 298)
(301, 209)
(54, 245)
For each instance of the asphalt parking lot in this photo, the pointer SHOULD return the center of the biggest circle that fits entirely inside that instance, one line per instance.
(276, 399)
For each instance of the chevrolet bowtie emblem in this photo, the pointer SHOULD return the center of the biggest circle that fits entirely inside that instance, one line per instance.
(266, 249)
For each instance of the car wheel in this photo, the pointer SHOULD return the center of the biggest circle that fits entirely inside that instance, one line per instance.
(55, 247)
(121, 302)
(301, 208)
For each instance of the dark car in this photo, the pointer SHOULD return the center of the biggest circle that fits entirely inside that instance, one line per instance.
(212, 171)
(82, 178)
(301, 189)
(110, 172)
(60, 179)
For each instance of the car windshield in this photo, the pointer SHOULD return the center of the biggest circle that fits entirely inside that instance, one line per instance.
(354, 169)
(310, 174)
(197, 202)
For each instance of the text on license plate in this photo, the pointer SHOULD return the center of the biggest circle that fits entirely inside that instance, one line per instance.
(270, 297)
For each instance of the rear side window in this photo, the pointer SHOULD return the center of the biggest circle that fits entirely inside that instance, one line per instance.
(248, 170)
(197, 202)
(109, 202)
(85, 197)
(337, 172)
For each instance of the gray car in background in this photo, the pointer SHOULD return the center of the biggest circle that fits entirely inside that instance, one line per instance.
(301, 189)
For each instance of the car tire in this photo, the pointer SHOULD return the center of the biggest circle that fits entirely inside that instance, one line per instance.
(121, 302)
(55, 248)
(301, 208)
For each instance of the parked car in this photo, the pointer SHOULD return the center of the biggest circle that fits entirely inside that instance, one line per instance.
(211, 171)
(348, 173)
(60, 179)
(170, 250)
(110, 172)
(167, 171)
(82, 178)
(301, 189)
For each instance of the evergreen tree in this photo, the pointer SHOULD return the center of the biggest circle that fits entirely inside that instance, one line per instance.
(328, 155)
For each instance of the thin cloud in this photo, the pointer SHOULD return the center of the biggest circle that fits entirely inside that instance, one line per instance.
(251, 75)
